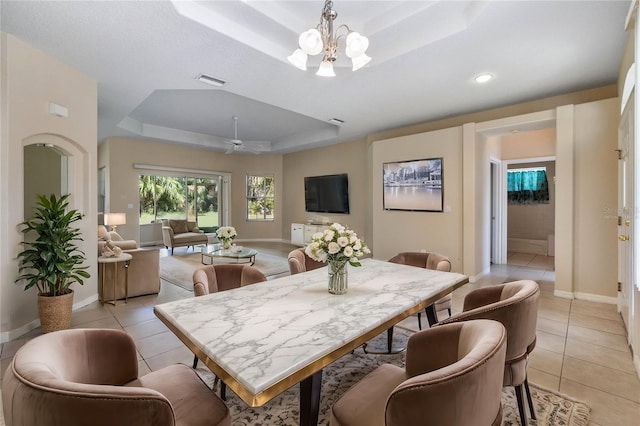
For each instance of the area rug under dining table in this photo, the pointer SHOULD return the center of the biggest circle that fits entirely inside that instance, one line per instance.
(178, 269)
(552, 408)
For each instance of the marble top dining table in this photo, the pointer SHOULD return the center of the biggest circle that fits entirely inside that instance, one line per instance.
(263, 338)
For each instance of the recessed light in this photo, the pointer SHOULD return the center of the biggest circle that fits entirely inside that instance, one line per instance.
(515, 131)
(210, 80)
(336, 121)
(483, 78)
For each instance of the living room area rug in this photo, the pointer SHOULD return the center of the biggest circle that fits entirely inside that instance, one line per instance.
(179, 268)
(552, 408)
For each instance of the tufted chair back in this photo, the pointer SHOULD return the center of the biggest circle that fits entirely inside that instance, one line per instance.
(300, 262)
(515, 305)
(214, 278)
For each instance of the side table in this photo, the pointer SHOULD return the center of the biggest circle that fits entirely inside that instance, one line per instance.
(103, 261)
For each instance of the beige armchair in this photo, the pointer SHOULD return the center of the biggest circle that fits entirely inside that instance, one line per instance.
(515, 305)
(181, 233)
(457, 384)
(144, 267)
(300, 262)
(90, 377)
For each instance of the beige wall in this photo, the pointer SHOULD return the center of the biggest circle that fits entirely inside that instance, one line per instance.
(595, 243)
(120, 154)
(350, 158)
(397, 231)
(43, 173)
(30, 80)
(537, 143)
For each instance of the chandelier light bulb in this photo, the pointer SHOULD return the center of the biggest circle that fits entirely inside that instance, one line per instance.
(311, 42)
(326, 69)
(298, 59)
(356, 45)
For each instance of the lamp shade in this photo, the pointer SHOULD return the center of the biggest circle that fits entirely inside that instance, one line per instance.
(115, 219)
(360, 61)
(326, 69)
(311, 42)
(356, 44)
(298, 59)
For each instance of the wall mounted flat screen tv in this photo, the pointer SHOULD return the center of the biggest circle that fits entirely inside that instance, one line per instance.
(414, 185)
(327, 194)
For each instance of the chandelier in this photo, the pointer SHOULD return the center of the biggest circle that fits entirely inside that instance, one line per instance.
(324, 39)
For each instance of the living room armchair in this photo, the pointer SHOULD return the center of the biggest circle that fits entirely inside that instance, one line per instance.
(144, 267)
(181, 233)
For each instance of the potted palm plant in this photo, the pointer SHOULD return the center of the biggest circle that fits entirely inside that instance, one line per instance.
(52, 262)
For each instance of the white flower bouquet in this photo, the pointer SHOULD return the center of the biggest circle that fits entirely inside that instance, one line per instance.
(337, 245)
(226, 235)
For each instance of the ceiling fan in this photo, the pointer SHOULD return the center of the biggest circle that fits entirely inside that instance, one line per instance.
(236, 145)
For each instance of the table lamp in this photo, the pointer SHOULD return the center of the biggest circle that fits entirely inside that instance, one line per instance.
(115, 219)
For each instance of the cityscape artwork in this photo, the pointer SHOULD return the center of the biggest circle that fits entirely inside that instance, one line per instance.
(414, 185)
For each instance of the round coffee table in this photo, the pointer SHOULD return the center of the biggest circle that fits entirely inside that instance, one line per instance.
(246, 255)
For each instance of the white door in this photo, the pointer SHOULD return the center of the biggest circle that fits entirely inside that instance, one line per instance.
(625, 213)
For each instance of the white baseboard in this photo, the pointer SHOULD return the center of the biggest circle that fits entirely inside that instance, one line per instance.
(480, 275)
(586, 296)
(7, 336)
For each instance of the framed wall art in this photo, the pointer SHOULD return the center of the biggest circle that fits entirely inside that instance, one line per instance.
(414, 185)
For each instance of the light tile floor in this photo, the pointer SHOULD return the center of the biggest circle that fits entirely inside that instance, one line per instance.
(581, 349)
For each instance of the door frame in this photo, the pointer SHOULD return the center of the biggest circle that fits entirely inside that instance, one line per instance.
(503, 190)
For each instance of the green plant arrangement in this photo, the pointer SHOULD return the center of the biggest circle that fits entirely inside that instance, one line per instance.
(53, 261)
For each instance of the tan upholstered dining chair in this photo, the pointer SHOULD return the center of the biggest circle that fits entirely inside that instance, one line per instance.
(459, 384)
(221, 277)
(436, 262)
(515, 305)
(90, 377)
(300, 262)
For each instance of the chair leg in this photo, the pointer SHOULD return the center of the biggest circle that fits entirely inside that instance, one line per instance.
(449, 310)
(432, 316)
(223, 390)
(419, 321)
(523, 416)
(195, 361)
(531, 409)
(390, 339)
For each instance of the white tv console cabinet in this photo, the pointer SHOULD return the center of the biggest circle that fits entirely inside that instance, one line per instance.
(301, 233)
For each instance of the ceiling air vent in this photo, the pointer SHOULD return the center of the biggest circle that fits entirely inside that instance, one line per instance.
(210, 80)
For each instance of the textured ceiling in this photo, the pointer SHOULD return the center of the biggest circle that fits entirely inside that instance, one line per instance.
(145, 56)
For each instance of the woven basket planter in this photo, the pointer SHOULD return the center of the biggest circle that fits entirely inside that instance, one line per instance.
(55, 311)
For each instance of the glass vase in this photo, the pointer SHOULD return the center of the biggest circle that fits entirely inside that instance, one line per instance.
(338, 277)
(226, 244)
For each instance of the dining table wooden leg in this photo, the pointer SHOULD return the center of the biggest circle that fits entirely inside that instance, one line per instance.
(310, 389)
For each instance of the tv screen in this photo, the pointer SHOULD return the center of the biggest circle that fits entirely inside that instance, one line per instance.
(327, 194)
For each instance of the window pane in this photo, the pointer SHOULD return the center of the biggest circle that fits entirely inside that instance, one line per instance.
(171, 197)
(170, 193)
(207, 204)
(260, 198)
(147, 199)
